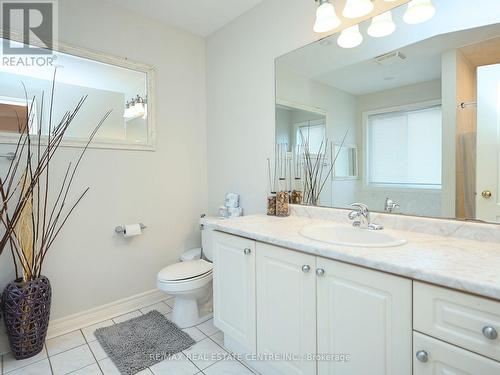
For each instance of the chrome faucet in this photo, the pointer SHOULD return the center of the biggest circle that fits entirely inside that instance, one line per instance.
(361, 217)
(390, 205)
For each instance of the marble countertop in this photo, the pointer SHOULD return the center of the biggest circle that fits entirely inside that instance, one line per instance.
(463, 264)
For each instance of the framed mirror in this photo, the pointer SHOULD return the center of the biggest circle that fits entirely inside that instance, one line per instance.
(107, 82)
(413, 117)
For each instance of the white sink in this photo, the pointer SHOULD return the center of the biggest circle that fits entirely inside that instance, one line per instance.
(345, 235)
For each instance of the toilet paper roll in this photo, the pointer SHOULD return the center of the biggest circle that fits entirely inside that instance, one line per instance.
(132, 230)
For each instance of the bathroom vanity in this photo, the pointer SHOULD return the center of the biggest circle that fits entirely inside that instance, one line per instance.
(292, 305)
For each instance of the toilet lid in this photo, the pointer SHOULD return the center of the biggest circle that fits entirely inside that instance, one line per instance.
(185, 270)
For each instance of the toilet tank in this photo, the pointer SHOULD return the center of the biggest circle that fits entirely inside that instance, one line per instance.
(207, 225)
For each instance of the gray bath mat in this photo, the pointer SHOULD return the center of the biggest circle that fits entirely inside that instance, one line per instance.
(141, 342)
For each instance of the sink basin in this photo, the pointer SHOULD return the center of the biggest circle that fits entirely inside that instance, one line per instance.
(345, 235)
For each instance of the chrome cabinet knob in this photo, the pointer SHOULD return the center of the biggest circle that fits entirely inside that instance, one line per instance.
(320, 272)
(490, 333)
(422, 356)
(306, 268)
(247, 251)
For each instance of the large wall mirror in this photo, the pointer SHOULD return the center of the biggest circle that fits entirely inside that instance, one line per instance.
(109, 83)
(413, 119)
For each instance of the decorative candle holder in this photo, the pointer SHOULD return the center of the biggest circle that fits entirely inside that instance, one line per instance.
(282, 199)
(296, 197)
(271, 204)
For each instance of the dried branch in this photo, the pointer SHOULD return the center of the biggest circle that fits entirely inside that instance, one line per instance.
(31, 222)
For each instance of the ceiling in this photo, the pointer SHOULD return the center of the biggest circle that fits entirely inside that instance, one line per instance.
(422, 63)
(198, 17)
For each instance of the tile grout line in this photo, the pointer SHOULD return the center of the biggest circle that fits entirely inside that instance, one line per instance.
(48, 359)
(81, 368)
(29, 364)
(65, 351)
(189, 359)
(230, 353)
(93, 355)
(227, 352)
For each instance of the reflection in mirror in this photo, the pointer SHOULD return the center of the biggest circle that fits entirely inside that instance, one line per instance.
(346, 165)
(109, 84)
(422, 119)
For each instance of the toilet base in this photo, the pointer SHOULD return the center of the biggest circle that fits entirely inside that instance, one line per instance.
(187, 313)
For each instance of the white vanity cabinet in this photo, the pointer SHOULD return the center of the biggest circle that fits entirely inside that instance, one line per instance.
(234, 289)
(366, 314)
(286, 308)
(302, 306)
(308, 315)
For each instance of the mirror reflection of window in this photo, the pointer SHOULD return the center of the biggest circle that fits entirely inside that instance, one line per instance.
(312, 135)
(108, 83)
(403, 147)
(13, 116)
(346, 163)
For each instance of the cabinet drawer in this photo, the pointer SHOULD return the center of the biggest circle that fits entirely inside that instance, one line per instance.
(445, 359)
(467, 321)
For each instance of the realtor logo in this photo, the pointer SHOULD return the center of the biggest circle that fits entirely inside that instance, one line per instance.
(33, 22)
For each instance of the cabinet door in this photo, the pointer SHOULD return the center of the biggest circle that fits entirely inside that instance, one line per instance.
(366, 315)
(234, 289)
(286, 309)
(439, 358)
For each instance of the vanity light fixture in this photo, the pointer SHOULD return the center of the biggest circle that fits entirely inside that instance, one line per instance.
(357, 8)
(419, 11)
(135, 108)
(326, 18)
(382, 25)
(350, 37)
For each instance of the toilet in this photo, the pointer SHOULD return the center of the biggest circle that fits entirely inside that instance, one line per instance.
(190, 281)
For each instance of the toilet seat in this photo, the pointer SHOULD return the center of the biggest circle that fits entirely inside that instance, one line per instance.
(185, 271)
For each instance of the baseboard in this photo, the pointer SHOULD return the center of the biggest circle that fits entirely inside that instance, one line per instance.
(86, 318)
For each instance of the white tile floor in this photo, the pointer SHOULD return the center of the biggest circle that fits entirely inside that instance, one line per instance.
(79, 353)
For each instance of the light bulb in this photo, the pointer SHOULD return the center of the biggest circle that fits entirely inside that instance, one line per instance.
(139, 109)
(382, 25)
(326, 18)
(350, 37)
(127, 112)
(419, 11)
(357, 8)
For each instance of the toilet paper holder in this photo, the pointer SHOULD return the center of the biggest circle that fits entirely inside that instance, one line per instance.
(121, 229)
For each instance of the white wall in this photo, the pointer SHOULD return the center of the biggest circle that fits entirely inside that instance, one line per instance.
(90, 265)
(240, 87)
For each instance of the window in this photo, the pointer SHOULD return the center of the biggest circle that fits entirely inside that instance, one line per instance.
(405, 148)
(311, 133)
